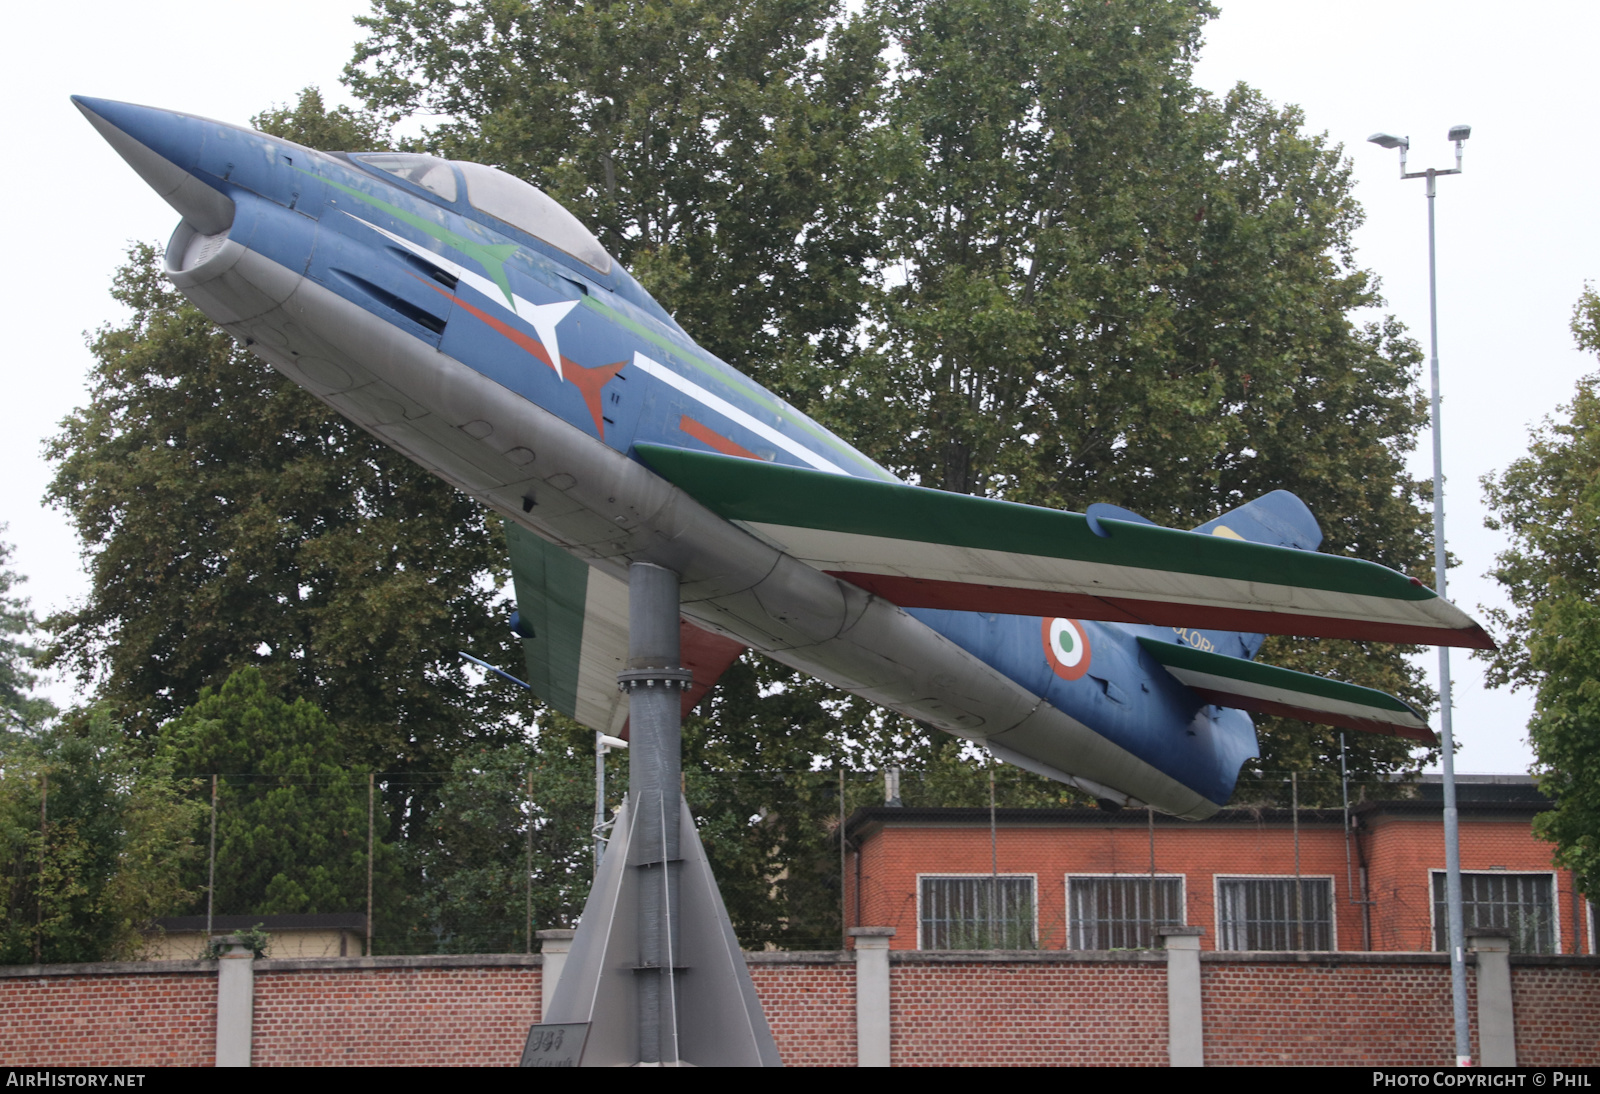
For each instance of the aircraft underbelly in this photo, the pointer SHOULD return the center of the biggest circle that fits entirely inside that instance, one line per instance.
(553, 478)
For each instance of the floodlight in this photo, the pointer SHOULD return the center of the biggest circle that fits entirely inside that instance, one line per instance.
(1460, 132)
(1390, 141)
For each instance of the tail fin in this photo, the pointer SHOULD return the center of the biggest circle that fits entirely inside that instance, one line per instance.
(1278, 519)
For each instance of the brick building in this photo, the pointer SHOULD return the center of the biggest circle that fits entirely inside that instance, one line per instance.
(1255, 879)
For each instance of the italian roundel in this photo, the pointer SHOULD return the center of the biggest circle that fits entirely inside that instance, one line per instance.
(1066, 647)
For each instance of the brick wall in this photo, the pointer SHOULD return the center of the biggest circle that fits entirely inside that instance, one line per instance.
(394, 1016)
(110, 1016)
(947, 1009)
(1557, 1007)
(1329, 1013)
(1019, 1008)
(810, 1000)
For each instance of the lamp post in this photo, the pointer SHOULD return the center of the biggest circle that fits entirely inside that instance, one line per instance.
(1452, 836)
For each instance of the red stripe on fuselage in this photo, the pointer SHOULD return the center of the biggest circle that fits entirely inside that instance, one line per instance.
(961, 596)
(588, 381)
(713, 439)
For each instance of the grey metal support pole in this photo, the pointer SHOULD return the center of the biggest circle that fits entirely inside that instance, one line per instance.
(1452, 830)
(599, 799)
(655, 683)
(655, 975)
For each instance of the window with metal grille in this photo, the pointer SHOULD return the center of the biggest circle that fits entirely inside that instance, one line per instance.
(1273, 913)
(977, 913)
(1523, 905)
(1122, 913)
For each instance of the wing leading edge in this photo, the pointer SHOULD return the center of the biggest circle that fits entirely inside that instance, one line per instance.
(922, 548)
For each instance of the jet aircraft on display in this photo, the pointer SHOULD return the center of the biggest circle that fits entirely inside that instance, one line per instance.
(472, 323)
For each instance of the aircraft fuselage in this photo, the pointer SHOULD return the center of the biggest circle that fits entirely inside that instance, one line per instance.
(525, 374)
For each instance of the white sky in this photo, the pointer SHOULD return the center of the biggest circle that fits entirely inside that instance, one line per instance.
(1516, 238)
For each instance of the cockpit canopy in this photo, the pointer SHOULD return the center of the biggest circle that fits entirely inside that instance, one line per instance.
(502, 196)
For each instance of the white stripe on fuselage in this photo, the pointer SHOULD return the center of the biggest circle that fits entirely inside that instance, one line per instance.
(542, 317)
(732, 413)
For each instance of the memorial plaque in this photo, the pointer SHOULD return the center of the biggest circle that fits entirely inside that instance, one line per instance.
(555, 1046)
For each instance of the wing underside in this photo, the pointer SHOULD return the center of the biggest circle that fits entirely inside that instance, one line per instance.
(579, 618)
(1267, 689)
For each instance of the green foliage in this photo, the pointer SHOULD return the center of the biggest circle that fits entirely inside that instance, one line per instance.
(1032, 260)
(291, 814)
(311, 123)
(505, 815)
(1117, 288)
(1548, 503)
(259, 941)
(94, 843)
(18, 653)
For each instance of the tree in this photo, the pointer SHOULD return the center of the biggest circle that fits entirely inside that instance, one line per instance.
(18, 654)
(291, 826)
(229, 519)
(512, 826)
(1549, 504)
(94, 842)
(1117, 288)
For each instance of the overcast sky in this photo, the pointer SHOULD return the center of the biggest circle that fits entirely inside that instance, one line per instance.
(1517, 237)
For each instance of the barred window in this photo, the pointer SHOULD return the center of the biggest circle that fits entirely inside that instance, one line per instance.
(1270, 913)
(977, 913)
(1117, 913)
(1523, 905)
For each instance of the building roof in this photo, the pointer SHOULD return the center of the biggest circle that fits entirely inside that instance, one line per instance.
(1476, 795)
(222, 924)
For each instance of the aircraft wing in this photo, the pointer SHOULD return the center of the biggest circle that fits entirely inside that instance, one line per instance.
(1267, 689)
(578, 616)
(921, 548)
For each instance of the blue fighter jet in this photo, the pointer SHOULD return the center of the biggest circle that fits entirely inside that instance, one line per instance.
(469, 321)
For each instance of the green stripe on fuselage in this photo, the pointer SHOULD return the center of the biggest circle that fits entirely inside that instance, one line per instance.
(552, 592)
(490, 256)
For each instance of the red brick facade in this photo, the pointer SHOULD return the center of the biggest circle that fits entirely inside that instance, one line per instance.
(1398, 844)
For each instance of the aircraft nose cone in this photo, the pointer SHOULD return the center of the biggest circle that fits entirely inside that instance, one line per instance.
(164, 148)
